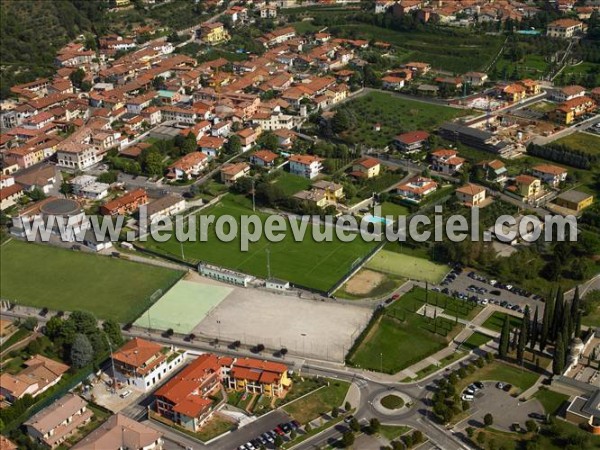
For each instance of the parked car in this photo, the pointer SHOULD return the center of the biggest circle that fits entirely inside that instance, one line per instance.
(500, 385)
(478, 384)
(467, 397)
(507, 387)
(349, 418)
(125, 394)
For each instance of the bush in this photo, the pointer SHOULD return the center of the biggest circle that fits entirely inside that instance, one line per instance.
(470, 431)
(531, 426)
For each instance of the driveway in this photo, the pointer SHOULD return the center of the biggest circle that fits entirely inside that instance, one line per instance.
(505, 409)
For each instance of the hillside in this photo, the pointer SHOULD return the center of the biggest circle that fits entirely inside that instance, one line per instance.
(32, 30)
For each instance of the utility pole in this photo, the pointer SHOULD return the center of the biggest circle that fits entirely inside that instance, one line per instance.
(253, 200)
(182, 255)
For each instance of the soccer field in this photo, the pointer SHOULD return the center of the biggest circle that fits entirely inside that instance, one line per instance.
(317, 265)
(407, 266)
(65, 280)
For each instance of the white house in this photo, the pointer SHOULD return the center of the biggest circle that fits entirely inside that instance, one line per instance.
(87, 187)
(307, 166)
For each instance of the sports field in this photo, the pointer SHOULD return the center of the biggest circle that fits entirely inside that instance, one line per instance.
(318, 265)
(407, 266)
(183, 306)
(55, 278)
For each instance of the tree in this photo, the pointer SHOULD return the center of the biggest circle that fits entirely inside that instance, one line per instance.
(488, 420)
(113, 332)
(233, 146)
(82, 352)
(36, 194)
(347, 439)
(66, 188)
(269, 141)
(109, 177)
(504, 337)
(521, 342)
(84, 322)
(347, 406)
(53, 327)
(354, 425)
(77, 77)
(548, 311)
(558, 359)
(278, 441)
(531, 426)
(374, 425)
(341, 121)
(533, 333)
(470, 431)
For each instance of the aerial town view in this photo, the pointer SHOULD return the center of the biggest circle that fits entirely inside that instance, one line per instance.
(300, 224)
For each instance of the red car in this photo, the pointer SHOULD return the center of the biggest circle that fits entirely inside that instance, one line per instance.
(279, 431)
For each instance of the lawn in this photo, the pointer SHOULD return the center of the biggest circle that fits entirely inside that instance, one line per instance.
(401, 337)
(45, 276)
(418, 297)
(391, 432)
(395, 114)
(584, 142)
(319, 402)
(407, 266)
(500, 371)
(392, 402)
(393, 209)
(317, 265)
(387, 285)
(475, 341)
(550, 400)
(290, 184)
(496, 321)
(216, 426)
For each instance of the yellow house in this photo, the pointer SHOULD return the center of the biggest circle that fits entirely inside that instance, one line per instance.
(514, 92)
(259, 377)
(574, 200)
(532, 87)
(122, 3)
(315, 196)
(471, 194)
(366, 168)
(332, 191)
(528, 186)
(214, 33)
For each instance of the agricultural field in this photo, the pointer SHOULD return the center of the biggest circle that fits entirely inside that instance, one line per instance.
(584, 142)
(317, 265)
(407, 266)
(401, 337)
(63, 278)
(395, 114)
(453, 50)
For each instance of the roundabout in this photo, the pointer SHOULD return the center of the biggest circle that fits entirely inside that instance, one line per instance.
(392, 403)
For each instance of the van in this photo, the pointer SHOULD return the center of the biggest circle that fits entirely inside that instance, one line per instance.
(125, 394)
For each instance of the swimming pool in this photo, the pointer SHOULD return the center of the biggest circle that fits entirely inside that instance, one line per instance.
(376, 219)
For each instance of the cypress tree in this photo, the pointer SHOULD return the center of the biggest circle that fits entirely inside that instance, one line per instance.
(558, 360)
(548, 311)
(504, 338)
(521, 343)
(575, 304)
(578, 324)
(558, 312)
(533, 334)
(527, 323)
(566, 341)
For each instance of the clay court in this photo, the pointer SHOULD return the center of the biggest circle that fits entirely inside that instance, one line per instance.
(364, 282)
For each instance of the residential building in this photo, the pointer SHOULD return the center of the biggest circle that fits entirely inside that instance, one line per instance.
(230, 173)
(475, 78)
(527, 186)
(86, 186)
(550, 174)
(39, 375)
(564, 28)
(184, 399)
(446, 161)
(495, 171)
(532, 87)
(392, 83)
(62, 419)
(568, 93)
(10, 195)
(278, 36)
(313, 196)
(474, 137)
(307, 166)
(166, 206)
(471, 194)
(7, 444)
(416, 189)
(420, 68)
(571, 110)
(141, 364)
(366, 167)
(213, 33)
(42, 177)
(121, 432)
(514, 92)
(574, 200)
(411, 141)
(263, 158)
(258, 377)
(190, 165)
(248, 137)
(126, 204)
(211, 146)
(333, 192)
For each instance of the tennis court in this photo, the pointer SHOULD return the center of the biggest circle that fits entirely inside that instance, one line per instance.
(184, 306)
(407, 266)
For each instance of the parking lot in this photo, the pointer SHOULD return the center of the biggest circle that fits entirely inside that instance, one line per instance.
(475, 287)
(506, 410)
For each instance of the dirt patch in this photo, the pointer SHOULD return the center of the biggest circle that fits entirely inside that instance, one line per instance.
(364, 282)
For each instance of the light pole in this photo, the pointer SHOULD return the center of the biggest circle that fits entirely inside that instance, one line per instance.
(112, 363)
(303, 342)
(381, 362)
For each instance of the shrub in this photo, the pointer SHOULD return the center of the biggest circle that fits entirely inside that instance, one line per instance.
(488, 420)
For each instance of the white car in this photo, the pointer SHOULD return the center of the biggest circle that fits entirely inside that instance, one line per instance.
(125, 394)
(467, 397)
